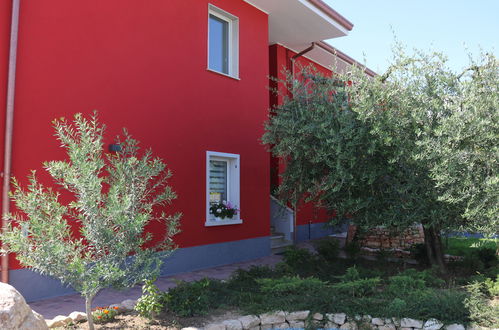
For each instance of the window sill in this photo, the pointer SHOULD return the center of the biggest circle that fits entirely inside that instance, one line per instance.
(223, 74)
(213, 223)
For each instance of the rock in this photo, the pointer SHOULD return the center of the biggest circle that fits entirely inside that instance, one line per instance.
(318, 317)
(474, 326)
(454, 326)
(387, 327)
(433, 324)
(272, 318)
(405, 328)
(249, 321)
(128, 304)
(34, 323)
(367, 318)
(377, 321)
(78, 316)
(388, 321)
(233, 324)
(349, 326)
(294, 316)
(338, 318)
(331, 325)
(59, 321)
(411, 323)
(280, 326)
(215, 326)
(15, 313)
(396, 321)
(255, 328)
(190, 328)
(297, 325)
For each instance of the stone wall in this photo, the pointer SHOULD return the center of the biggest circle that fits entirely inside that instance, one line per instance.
(382, 238)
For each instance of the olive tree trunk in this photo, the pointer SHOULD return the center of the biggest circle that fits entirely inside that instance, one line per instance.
(434, 248)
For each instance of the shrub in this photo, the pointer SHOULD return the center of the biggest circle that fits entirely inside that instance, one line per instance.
(478, 305)
(290, 285)
(427, 276)
(397, 308)
(357, 288)
(401, 285)
(189, 299)
(444, 305)
(151, 302)
(328, 248)
(301, 261)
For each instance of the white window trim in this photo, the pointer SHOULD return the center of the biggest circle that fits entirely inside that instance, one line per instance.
(233, 42)
(233, 186)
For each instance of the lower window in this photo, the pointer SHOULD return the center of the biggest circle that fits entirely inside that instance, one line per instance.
(222, 189)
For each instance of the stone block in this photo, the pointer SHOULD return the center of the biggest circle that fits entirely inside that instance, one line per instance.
(411, 323)
(297, 316)
(233, 325)
(78, 316)
(284, 325)
(297, 324)
(318, 317)
(59, 321)
(128, 304)
(249, 321)
(432, 324)
(387, 327)
(349, 326)
(215, 326)
(377, 321)
(338, 318)
(455, 326)
(331, 325)
(272, 318)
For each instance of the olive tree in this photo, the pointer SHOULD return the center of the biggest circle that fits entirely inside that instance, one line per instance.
(380, 148)
(97, 240)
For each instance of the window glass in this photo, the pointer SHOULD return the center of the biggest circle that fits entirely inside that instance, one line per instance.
(218, 44)
(218, 181)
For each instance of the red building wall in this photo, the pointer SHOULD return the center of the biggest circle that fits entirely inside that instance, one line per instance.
(280, 62)
(143, 66)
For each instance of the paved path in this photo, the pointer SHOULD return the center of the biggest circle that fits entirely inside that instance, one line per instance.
(64, 305)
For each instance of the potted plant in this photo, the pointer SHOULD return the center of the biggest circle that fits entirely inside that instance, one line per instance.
(223, 210)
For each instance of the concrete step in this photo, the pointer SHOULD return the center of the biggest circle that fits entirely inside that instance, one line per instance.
(278, 244)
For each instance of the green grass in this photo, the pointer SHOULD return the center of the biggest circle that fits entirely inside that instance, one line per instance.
(460, 246)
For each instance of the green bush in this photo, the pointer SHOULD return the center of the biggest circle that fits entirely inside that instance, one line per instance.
(357, 288)
(403, 285)
(427, 276)
(301, 261)
(352, 249)
(478, 305)
(397, 308)
(189, 299)
(151, 302)
(290, 285)
(444, 305)
(327, 248)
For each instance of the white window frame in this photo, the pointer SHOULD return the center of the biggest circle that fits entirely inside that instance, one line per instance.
(233, 42)
(233, 187)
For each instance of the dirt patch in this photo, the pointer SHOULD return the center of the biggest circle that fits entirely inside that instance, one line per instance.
(164, 321)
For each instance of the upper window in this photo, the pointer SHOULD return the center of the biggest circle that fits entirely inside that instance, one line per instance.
(223, 42)
(222, 188)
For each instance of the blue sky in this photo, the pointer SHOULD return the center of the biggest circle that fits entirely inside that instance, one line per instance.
(454, 27)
